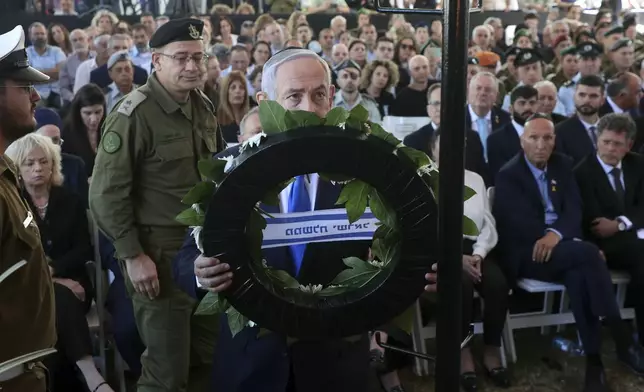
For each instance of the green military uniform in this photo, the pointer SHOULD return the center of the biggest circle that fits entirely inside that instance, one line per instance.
(557, 78)
(146, 163)
(27, 322)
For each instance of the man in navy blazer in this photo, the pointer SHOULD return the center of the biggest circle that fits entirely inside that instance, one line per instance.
(101, 76)
(538, 211)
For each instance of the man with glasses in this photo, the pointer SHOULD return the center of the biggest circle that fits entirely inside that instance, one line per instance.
(145, 164)
(26, 294)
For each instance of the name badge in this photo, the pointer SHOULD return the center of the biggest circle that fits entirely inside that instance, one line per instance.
(28, 219)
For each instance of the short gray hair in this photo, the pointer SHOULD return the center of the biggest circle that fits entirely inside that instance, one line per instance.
(269, 74)
(117, 37)
(545, 83)
(20, 149)
(619, 123)
(242, 123)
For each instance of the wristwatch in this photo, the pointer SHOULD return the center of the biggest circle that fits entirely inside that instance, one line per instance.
(621, 226)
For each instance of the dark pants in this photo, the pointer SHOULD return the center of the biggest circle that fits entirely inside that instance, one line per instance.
(629, 256)
(73, 341)
(494, 289)
(578, 265)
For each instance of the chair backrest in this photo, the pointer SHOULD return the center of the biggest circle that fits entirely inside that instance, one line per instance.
(403, 126)
(490, 195)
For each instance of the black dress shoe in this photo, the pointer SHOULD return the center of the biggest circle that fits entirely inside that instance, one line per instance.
(633, 358)
(500, 377)
(469, 382)
(596, 379)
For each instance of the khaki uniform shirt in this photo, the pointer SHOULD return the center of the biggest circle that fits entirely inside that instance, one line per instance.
(27, 321)
(557, 78)
(147, 162)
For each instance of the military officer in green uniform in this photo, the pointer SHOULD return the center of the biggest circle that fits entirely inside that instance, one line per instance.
(507, 74)
(622, 58)
(568, 56)
(27, 323)
(146, 163)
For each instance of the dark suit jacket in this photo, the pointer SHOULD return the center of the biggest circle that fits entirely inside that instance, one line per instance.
(474, 158)
(499, 118)
(519, 212)
(558, 118)
(77, 143)
(573, 140)
(75, 176)
(64, 234)
(101, 77)
(600, 199)
(502, 146)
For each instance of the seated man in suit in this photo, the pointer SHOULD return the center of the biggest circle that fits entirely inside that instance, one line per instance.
(421, 139)
(504, 144)
(538, 212)
(612, 188)
(577, 136)
(624, 93)
(101, 76)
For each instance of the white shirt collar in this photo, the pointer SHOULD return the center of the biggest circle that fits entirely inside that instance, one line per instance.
(517, 127)
(613, 105)
(588, 125)
(608, 168)
(475, 116)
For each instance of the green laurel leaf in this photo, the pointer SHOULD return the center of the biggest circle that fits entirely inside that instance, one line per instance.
(300, 118)
(355, 277)
(236, 321)
(190, 217)
(283, 277)
(354, 123)
(332, 290)
(418, 157)
(357, 263)
(355, 196)
(469, 193)
(212, 169)
(332, 177)
(359, 113)
(272, 116)
(255, 234)
(211, 304)
(336, 116)
(263, 332)
(381, 210)
(200, 193)
(379, 132)
(469, 227)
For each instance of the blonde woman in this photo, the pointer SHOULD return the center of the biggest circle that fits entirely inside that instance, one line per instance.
(64, 233)
(233, 104)
(378, 78)
(105, 22)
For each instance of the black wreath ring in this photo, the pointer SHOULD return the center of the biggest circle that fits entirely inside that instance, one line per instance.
(329, 150)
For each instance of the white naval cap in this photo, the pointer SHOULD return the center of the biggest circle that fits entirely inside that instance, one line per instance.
(14, 63)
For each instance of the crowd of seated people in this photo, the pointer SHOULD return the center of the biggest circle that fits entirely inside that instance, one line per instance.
(560, 101)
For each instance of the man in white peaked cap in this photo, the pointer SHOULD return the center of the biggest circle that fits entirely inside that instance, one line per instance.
(27, 326)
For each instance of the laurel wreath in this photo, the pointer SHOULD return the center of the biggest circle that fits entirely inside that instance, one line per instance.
(356, 196)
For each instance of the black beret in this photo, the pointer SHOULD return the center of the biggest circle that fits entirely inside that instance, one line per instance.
(621, 43)
(186, 29)
(584, 33)
(347, 64)
(589, 49)
(512, 51)
(628, 22)
(527, 56)
(617, 29)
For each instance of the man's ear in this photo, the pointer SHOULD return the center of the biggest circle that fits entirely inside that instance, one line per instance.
(260, 96)
(331, 94)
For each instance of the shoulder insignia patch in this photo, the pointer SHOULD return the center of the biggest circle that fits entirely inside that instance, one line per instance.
(131, 101)
(111, 142)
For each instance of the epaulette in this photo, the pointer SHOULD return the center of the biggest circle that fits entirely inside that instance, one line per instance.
(568, 83)
(130, 102)
(551, 76)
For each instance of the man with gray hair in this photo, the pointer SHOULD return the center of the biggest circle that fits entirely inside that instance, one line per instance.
(80, 44)
(121, 71)
(85, 68)
(101, 77)
(547, 100)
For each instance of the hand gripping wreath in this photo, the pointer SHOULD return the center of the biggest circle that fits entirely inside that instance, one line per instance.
(376, 170)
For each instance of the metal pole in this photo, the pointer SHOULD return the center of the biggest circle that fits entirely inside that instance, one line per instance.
(450, 198)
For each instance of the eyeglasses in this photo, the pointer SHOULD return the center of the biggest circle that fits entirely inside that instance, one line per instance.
(57, 140)
(27, 88)
(182, 59)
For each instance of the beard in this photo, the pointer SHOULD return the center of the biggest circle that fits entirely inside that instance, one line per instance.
(521, 118)
(11, 128)
(587, 110)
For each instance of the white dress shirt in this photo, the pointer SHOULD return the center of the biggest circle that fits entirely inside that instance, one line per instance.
(477, 208)
(613, 105)
(82, 73)
(311, 186)
(517, 127)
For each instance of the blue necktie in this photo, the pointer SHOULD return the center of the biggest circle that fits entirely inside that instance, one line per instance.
(481, 127)
(298, 201)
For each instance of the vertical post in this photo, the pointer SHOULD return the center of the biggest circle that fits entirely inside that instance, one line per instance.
(450, 199)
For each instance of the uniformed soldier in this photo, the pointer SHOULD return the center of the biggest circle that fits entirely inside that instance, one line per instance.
(507, 74)
(622, 58)
(145, 165)
(589, 54)
(568, 64)
(26, 294)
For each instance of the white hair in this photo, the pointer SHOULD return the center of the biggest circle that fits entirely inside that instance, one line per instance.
(545, 83)
(19, 150)
(477, 28)
(485, 74)
(269, 74)
(338, 18)
(242, 123)
(102, 13)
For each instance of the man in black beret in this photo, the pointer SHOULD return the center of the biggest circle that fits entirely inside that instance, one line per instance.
(589, 54)
(26, 294)
(622, 57)
(508, 73)
(145, 164)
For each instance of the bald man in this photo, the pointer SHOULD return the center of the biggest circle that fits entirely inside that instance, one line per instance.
(411, 101)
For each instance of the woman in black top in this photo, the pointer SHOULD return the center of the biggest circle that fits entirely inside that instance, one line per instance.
(377, 80)
(233, 104)
(64, 233)
(82, 129)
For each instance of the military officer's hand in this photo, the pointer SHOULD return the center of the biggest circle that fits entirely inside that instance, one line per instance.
(432, 277)
(143, 275)
(212, 274)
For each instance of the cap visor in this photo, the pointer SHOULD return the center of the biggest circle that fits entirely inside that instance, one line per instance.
(29, 74)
